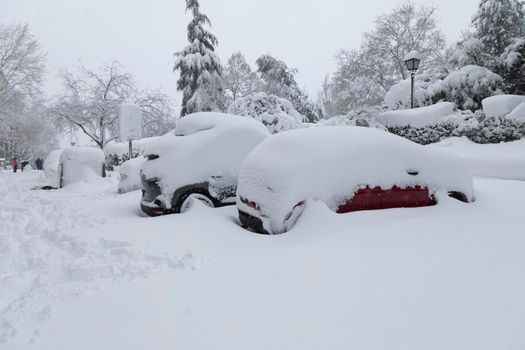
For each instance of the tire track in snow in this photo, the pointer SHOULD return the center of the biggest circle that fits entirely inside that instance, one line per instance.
(43, 261)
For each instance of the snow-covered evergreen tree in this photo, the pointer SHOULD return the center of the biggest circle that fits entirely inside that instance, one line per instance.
(512, 67)
(199, 66)
(279, 80)
(498, 23)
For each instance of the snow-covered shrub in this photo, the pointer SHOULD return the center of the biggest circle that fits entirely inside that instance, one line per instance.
(494, 130)
(118, 152)
(427, 91)
(469, 85)
(418, 117)
(475, 126)
(276, 113)
(362, 117)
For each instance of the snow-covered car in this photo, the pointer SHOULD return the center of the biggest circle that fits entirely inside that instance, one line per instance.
(80, 164)
(130, 175)
(51, 168)
(200, 160)
(348, 168)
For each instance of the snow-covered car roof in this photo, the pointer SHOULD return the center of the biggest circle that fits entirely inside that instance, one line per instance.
(333, 162)
(202, 145)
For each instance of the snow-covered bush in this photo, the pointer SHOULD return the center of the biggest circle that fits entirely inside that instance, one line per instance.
(118, 152)
(475, 126)
(418, 117)
(130, 175)
(276, 113)
(362, 117)
(427, 91)
(469, 85)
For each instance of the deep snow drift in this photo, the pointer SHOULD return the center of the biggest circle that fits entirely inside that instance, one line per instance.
(82, 269)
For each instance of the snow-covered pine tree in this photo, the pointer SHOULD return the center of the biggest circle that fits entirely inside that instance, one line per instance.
(512, 67)
(199, 67)
(498, 23)
(279, 80)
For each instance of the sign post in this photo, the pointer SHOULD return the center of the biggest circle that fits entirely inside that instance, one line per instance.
(130, 124)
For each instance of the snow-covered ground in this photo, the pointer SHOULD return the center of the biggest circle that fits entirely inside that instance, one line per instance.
(504, 160)
(82, 268)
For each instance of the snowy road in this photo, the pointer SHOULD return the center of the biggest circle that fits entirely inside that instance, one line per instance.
(82, 269)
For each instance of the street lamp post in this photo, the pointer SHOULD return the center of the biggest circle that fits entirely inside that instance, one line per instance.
(412, 61)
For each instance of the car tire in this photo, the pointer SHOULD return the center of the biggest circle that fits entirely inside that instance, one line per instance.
(185, 201)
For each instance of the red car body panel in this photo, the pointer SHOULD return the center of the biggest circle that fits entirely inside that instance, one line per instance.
(395, 197)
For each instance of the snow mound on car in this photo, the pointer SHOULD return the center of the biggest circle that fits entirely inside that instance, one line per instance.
(333, 162)
(203, 145)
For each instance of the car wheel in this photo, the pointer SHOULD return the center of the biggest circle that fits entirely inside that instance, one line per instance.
(188, 201)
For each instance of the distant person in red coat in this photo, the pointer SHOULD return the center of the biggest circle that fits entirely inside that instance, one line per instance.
(14, 162)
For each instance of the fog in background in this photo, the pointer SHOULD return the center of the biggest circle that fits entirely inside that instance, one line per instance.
(143, 35)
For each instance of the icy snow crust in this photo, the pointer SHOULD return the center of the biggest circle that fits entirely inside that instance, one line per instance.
(203, 145)
(81, 163)
(418, 117)
(331, 163)
(503, 105)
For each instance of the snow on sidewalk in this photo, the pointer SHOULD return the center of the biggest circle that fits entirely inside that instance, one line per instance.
(44, 260)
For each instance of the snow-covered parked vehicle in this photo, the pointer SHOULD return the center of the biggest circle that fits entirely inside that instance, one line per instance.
(348, 168)
(200, 160)
(81, 164)
(130, 175)
(51, 168)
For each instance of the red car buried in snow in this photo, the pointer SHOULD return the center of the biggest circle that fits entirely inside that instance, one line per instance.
(348, 168)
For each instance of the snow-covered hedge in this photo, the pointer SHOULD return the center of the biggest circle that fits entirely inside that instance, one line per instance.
(277, 114)
(418, 117)
(475, 126)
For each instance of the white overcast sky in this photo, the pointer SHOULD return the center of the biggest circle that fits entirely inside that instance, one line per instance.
(143, 34)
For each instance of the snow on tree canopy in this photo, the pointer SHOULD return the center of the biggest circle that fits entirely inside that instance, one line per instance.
(418, 117)
(277, 114)
(199, 66)
(332, 163)
(203, 145)
(502, 105)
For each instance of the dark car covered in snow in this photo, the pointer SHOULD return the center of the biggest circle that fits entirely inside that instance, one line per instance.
(199, 160)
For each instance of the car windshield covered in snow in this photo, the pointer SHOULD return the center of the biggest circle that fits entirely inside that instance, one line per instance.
(200, 159)
(336, 164)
